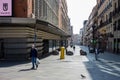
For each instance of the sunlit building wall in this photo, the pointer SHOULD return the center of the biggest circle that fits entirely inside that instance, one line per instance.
(64, 21)
(105, 27)
(91, 27)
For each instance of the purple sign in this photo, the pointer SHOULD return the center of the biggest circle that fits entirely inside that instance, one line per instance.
(5, 7)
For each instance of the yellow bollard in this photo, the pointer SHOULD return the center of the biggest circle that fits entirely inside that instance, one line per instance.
(62, 53)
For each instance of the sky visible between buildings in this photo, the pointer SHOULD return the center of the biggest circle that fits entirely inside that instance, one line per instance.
(78, 11)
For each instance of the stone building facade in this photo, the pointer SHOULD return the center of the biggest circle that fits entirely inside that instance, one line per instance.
(32, 22)
(105, 19)
(116, 25)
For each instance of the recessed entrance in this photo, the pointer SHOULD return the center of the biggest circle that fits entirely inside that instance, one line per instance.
(2, 54)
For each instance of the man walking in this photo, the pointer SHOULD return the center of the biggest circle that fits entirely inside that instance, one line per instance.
(33, 55)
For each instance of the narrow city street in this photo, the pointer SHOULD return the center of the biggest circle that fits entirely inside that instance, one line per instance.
(76, 67)
(47, 29)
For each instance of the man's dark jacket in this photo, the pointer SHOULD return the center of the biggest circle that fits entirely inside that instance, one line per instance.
(33, 53)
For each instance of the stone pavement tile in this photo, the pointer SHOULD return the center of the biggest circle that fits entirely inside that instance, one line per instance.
(70, 68)
(3, 78)
(106, 68)
(50, 68)
(67, 68)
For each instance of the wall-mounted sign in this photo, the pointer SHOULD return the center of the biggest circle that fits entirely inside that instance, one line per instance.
(5, 7)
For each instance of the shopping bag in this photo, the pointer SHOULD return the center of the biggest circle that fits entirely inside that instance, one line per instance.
(37, 61)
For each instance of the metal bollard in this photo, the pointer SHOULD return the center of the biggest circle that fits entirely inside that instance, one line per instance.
(62, 53)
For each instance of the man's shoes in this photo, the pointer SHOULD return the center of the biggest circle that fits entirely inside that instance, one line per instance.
(36, 65)
(32, 68)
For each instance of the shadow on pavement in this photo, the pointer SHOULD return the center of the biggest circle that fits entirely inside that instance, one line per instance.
(7, 63)
(102, 71)
(107, 67)
(25, 70)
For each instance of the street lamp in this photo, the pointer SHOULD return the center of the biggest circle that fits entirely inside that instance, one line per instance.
(94, 42)
(93, 32)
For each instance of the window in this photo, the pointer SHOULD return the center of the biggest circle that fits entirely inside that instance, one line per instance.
(115, 7)
(115, 26)
(44, 8)
(110, 17)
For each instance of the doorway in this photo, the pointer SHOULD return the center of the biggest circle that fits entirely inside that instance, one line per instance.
(45, 46)
(2, 54)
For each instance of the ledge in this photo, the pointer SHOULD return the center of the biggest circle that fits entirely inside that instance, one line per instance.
(31, 22)
(9, 20)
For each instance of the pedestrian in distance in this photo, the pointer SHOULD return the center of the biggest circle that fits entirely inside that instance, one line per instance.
(97, 48)
(33, 55)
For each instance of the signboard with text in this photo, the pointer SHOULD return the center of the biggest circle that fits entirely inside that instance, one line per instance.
(5, 7)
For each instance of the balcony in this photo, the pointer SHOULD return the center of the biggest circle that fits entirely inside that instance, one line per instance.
(110, 35)
(116, 12)
(105, 23)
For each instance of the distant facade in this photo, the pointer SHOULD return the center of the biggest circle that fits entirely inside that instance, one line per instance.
(84, 32)
(33, 22)
(70, 39)
(89, 27)
(76, 39)
(81, 36)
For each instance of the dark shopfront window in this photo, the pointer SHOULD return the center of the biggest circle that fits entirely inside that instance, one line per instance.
(117, 45)
(1, 48)
(115, 24)
(118, 28)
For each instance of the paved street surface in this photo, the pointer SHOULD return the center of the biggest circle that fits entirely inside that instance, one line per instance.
(71, 68)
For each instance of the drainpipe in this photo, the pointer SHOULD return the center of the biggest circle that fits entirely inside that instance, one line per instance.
(35, 35)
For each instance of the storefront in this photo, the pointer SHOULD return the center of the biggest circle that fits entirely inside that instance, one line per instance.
(18, 34)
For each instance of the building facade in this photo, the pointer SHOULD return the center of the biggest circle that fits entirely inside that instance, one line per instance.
(64, 21)
(81, 36)
(84, 33)
(90, 28)
(116, 26)
(103, 25)
(31, 22)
